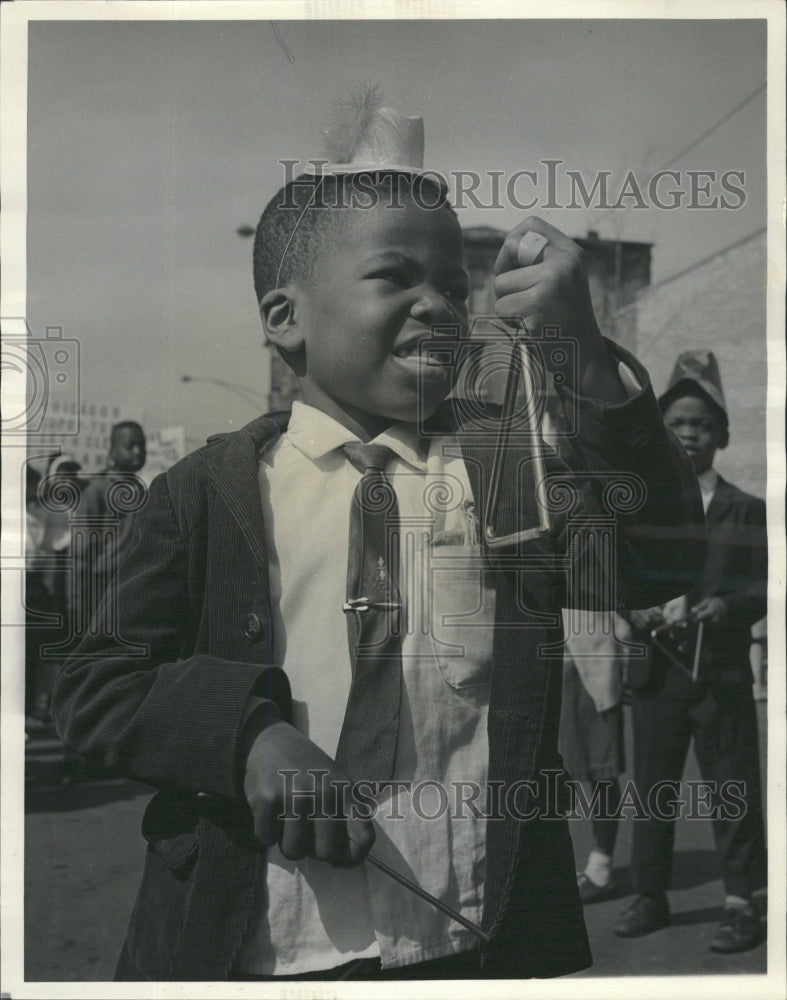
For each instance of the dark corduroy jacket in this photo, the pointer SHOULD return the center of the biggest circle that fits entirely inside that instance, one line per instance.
(164, 700)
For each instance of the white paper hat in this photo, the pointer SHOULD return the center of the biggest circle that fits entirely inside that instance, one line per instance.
(364, 136)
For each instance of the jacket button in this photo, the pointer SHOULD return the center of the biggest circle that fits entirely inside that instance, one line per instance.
(252, 627)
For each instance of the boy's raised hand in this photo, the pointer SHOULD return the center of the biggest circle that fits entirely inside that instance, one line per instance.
(554, 291)
(289, 776)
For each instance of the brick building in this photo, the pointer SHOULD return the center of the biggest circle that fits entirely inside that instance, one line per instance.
(716, 304)
(617, 271)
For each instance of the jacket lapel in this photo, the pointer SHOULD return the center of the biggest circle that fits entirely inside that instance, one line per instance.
(233, 472)
(723, 497)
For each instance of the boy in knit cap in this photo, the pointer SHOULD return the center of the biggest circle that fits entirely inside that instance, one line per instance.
(317, 612)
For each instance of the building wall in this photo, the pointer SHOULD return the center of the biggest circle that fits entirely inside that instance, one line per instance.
(616, 271)
(719, 305)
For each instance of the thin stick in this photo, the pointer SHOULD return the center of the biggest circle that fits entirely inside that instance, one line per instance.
(438, 904)
(535, 441)
(519, 371)
(503, 434)
(698, 651)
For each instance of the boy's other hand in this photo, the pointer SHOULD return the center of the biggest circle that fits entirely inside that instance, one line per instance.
(676, 610)
(554, 291)
(294, 790)
(710, 609)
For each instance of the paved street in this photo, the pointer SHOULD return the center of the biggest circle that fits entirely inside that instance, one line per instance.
(695, 902)
(83, 858)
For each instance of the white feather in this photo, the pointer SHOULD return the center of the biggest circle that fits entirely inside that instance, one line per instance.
(351, 122)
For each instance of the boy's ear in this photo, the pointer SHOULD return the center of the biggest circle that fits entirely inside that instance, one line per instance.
(279, 319)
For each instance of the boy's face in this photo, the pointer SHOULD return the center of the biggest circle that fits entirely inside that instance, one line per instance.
(128, 451)
(390, 275)
(698, 428)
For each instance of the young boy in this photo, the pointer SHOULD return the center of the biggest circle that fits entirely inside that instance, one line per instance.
(717, 707)
(236, 583)
(126, 457)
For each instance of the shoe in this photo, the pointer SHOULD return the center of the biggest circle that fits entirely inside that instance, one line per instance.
(591, 892)
(645, 915)
(739, 930)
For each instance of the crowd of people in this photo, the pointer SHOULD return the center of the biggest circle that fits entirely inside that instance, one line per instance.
(63, 582)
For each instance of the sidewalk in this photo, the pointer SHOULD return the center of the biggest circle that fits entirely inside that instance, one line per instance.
(695, 901)
(84, 856)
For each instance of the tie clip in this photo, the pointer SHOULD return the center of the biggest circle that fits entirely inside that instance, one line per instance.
(364, 604)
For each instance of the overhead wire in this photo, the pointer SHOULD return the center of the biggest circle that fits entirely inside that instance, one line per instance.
(717, 124)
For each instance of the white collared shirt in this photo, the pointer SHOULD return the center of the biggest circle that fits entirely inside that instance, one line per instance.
(310, 916)
(708, 481)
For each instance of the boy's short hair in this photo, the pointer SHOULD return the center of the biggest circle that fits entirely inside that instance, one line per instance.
(124, 425)
(300, 220)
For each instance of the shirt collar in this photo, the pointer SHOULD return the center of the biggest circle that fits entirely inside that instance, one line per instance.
(315, 434)
(708, 480)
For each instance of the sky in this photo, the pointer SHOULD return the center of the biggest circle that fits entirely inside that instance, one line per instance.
(150, 143)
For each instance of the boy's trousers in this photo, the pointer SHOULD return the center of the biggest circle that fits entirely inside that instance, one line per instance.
(666, 713)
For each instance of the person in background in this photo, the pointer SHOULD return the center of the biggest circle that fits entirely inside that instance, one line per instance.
(759, 659)
(62, 469)
(38, 603)
(598, 650)
(48, 586)
(712, 702)
(126, 457)
(94, 568)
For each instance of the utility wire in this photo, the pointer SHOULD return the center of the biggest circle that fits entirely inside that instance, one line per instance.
(718, 124)
(282, 43)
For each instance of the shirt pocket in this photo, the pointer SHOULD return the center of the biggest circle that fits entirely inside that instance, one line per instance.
(463, 613)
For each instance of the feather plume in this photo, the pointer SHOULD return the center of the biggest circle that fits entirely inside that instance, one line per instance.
(351, 121)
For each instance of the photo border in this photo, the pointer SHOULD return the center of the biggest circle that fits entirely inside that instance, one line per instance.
(13, 69)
